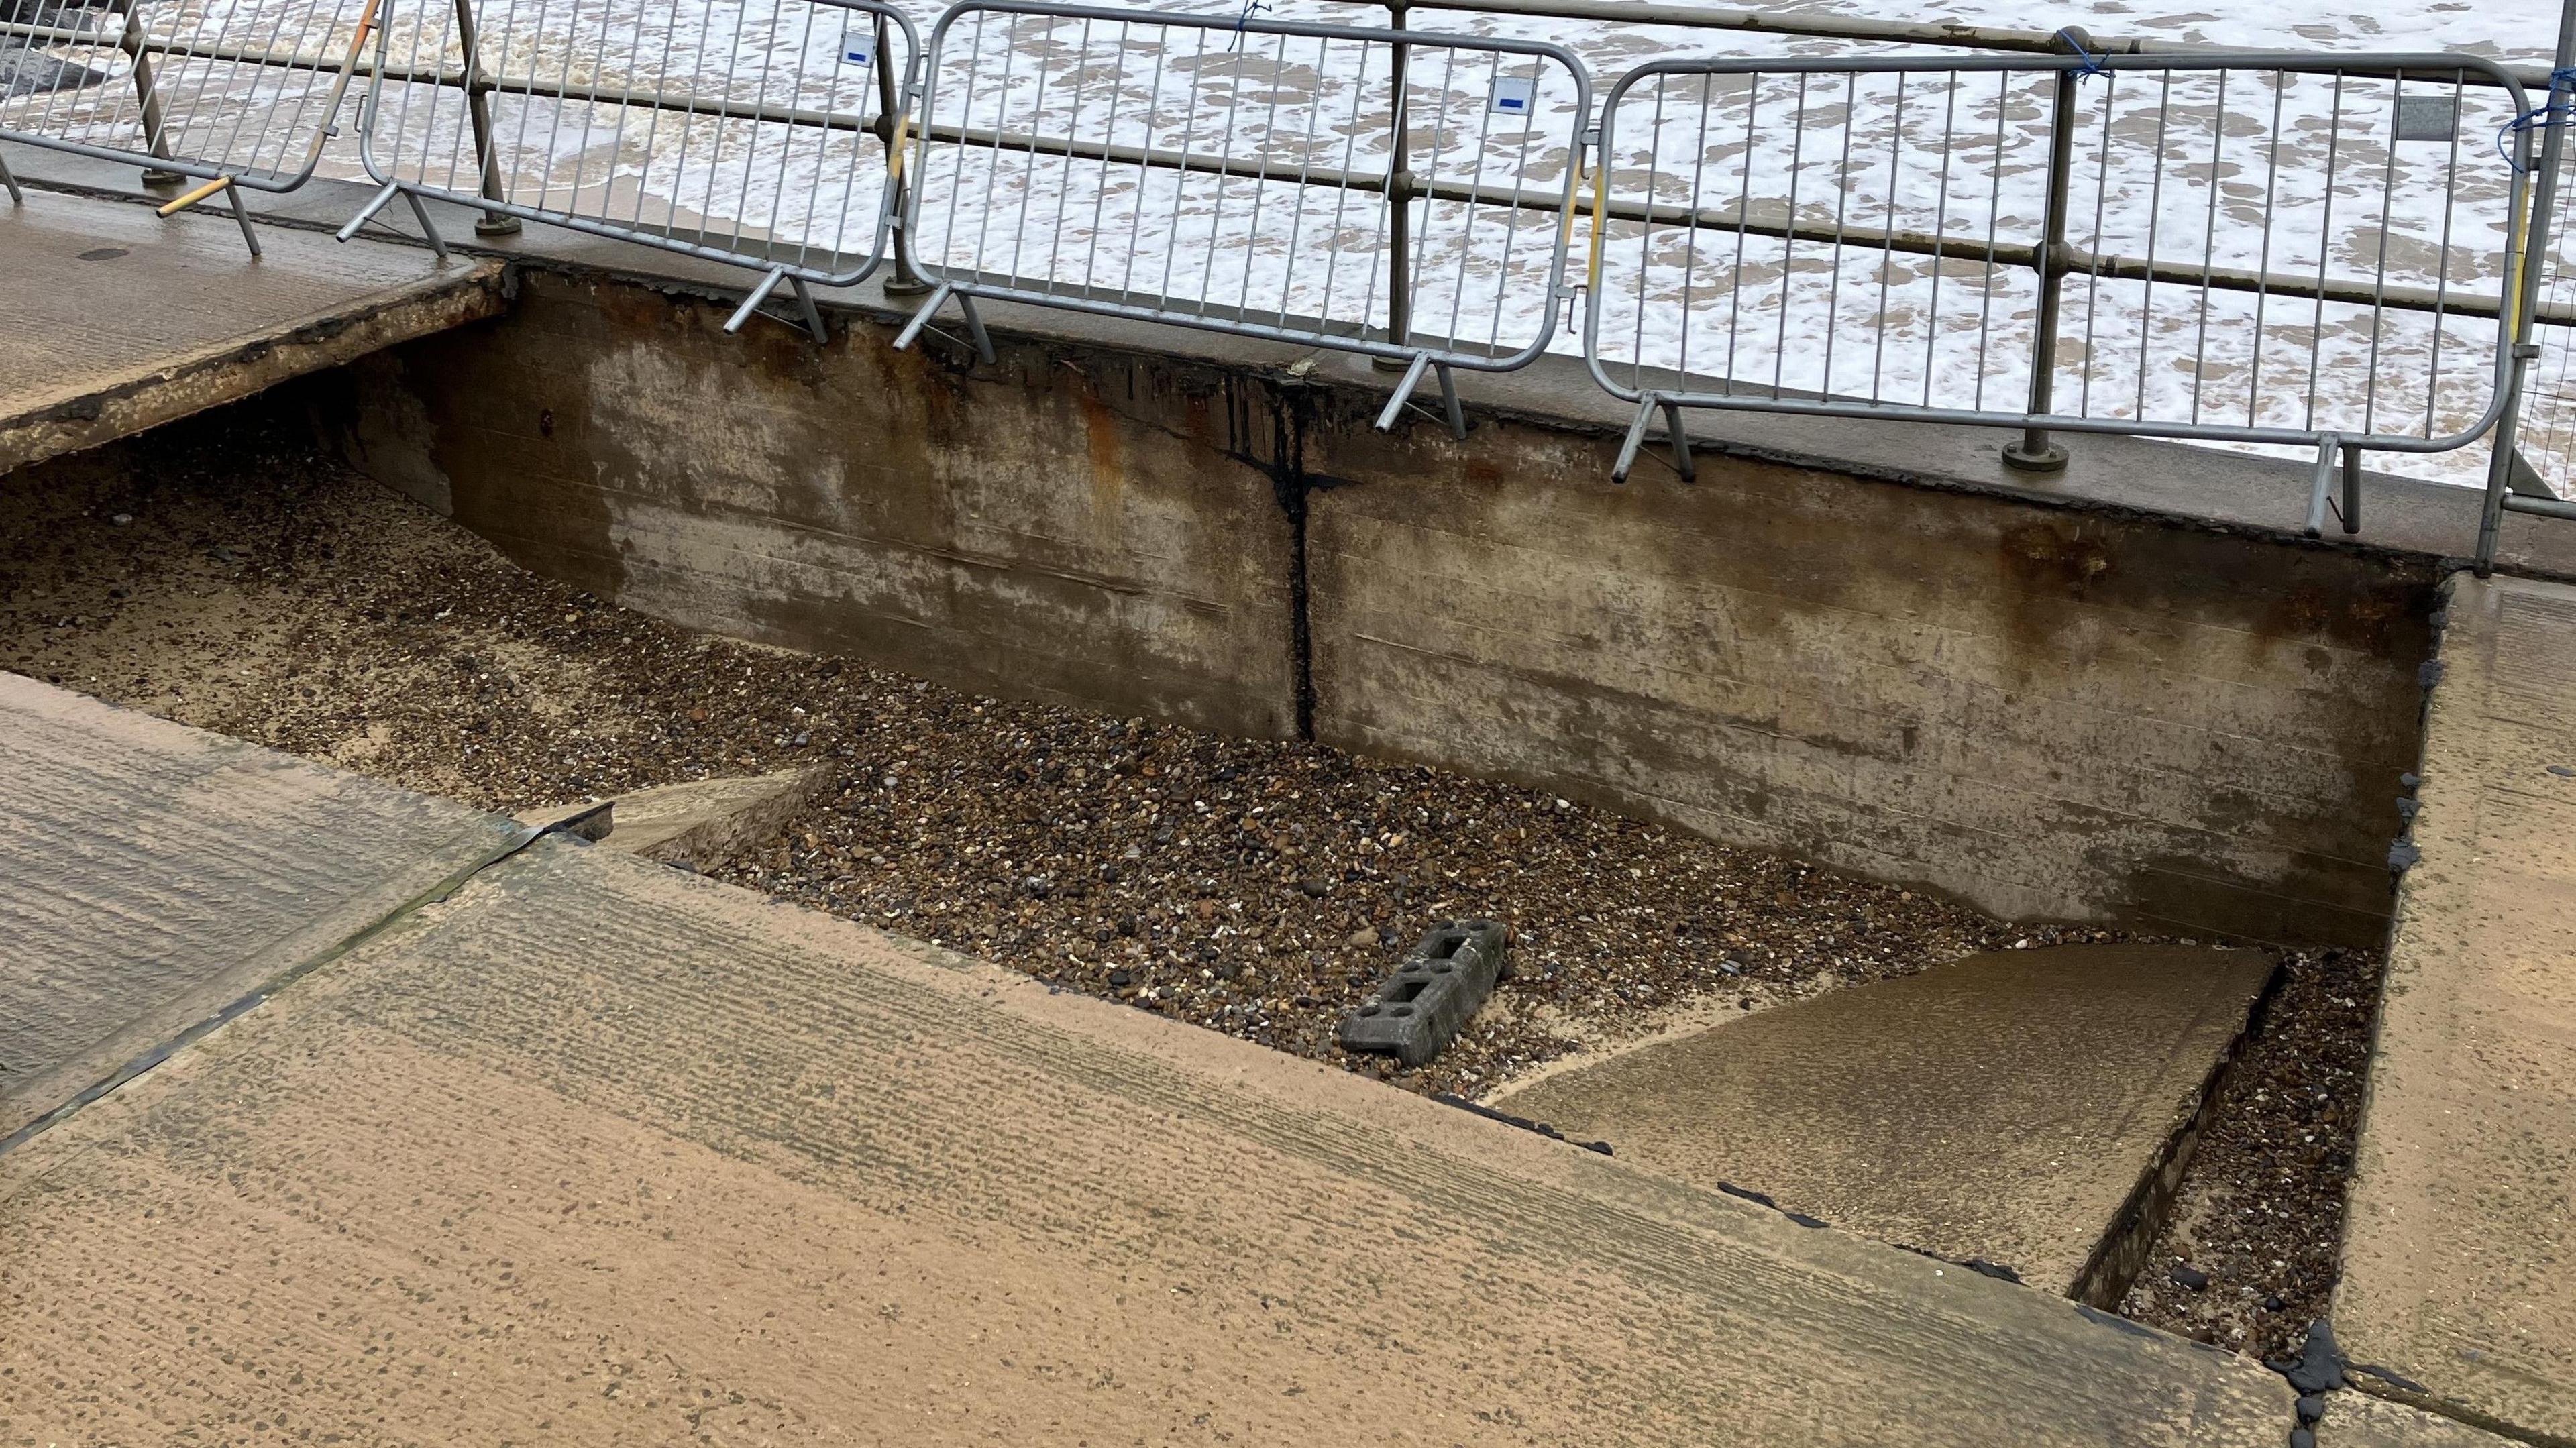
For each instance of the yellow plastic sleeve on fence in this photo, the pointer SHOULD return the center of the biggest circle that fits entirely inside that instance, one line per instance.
(192, 198)
(1600, 221)
(894, 148)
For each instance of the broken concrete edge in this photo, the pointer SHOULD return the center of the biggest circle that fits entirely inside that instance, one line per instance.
(1061, 330)
(242, 369)
(760, 807)
(2320, 1370)
(2121, 1254)
(511, 843)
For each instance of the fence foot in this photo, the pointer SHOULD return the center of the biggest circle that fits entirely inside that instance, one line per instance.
(751, 304)
(1682, 463)
(976, 336)
(813, 314)
(428, 228)
(9, 179)
(1451, 411)
(367, 213)
(1635, 443)
(2350, 513)
(2321, 490)
(241, 215)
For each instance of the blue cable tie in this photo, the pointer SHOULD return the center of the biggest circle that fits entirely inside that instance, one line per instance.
(2093, 64)
(2554, 113)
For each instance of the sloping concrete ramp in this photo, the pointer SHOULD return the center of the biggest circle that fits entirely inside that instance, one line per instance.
(2459, 1268)
(153, 875)
(119, 320)
(599, 1152)
(2014, 1106)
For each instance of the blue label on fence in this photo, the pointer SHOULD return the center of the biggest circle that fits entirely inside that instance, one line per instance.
(858, 47)
(1515, 97)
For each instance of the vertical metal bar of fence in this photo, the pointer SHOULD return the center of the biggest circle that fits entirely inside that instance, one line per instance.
(2035, 453)
(1399, 195)
(891, 119)
(148, 101)
(2524, 297)
(478, 114)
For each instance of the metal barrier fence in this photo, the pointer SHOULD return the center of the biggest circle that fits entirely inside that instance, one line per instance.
(1395, 193)
(235, 95)
(2299, 259)
(2248, 248)
(760, 133)
(2546, 414)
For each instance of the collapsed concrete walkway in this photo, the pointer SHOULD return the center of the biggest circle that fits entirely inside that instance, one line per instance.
(596, 1151)
(2459, 1274)
(121, 320)
(2019, 1106)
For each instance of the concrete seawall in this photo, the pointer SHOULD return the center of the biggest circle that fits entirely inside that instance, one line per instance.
(2044, 709)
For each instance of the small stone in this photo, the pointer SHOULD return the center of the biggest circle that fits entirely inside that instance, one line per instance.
(2186, 1276)
(1315, 886)
(122, 519)
(1120, 980)
(2302, 1438)
(1361, 937)
(2274, 1303)
(2310, 1408)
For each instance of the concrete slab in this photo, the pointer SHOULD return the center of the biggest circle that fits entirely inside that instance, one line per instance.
(2358, 1420)
(599, 1152)
(2017, 1106)
(120, 320)
(2459, 1264)
(152, 875)
(702, 822)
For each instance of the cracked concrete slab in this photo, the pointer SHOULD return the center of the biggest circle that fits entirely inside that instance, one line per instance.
(599, 1152)
(2459, 1263)
(120, 320)
(152, 874)
(2010, 1106)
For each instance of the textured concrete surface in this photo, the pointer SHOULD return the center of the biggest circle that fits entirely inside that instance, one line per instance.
(2358, 1420)
(2009, 1106)
(152, 874)
(2459, 1269)
(599, 1152)
(120, 320)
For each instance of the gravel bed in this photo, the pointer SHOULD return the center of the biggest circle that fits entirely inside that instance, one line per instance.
(233, 577)
(2249, 1256)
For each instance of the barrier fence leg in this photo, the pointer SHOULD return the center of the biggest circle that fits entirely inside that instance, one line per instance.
(813, 314)
(1404, 390)
(2321, 487)
(241, 215)
(10, 180)
(2351, 489)
(759, 294)
(920, 323)
(1647, 407)
(1449, 403)
(1682, 463)
(428, 228)
(367, 213)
